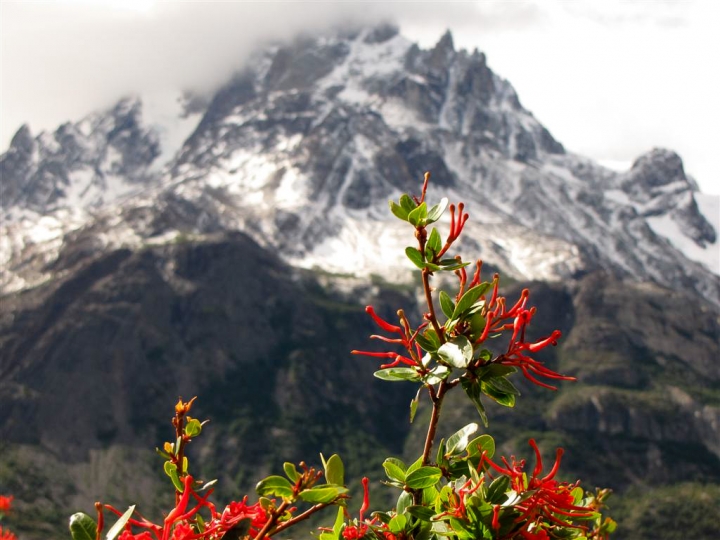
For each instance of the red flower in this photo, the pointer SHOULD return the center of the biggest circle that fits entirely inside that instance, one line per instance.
(545, 498)
(237, 511)
(406, 339)
(128, 535)
(183, 531)
(353, 532)
(7, 535)
(5, 503)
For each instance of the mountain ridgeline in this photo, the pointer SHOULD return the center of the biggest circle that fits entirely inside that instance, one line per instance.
(229, 253)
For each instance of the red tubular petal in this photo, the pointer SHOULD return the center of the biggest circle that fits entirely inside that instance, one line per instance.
(376, 354)
(381, 323)
(366, 497)
(538, 458)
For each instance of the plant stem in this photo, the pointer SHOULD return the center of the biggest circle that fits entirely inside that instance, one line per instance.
(431, 305)
(279, 511)
(434, 419)
(300, 517)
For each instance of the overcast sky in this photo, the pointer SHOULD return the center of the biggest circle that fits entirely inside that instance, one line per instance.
(611, 79)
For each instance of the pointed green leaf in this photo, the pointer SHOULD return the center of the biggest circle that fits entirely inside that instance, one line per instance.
(82, 527)
(407, 203)
(433, 245)
(473, 390)
(457, 352)
(458, 441)
(498, 488)
(339, 521)
(120, 524)
(322, 494)
(469, 298)
(335, 471)
(446, 304)
(413, 408)
(417, 216)
(415, 257)
(502, 385)
(423, 477)
(398, 211)
(425, 343)
(397, 374)
(437, 210)
(506, 400)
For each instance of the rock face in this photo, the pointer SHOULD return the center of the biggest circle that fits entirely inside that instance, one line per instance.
(302, 149)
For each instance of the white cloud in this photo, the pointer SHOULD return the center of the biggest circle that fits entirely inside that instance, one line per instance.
(611, 79)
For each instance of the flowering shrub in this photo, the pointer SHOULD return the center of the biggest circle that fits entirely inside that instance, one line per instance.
(457, 492)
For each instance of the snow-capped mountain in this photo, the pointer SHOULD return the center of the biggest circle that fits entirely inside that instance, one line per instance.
(302, 150)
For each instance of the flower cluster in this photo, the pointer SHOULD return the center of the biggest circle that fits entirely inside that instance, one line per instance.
(543, 502)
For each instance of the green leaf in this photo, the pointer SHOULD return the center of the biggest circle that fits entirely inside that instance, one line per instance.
(425, 343)
(171, 471)
(276, 486)
(417, 216)
(473, 389)
(291, 471)
(477, 325)
(407, 203)
(452, 264)
(502, 385)
(437, 210)
(414, 466)
(397, 524)
(458, 441)
(469, 298)
(335, 471)
(437, 374)
(446, 304)
(404, 500)
(483, 443)
(339, 521)
(415, 257)
(322, 494)
(398, 211)
(433, 245)
(457, 352)
(498, 488)
(397, 374)
(394, 469)
(440, 455)
(423, 477)
(422, 513)
(193, 428)
(82, 527)
(506, 400)
(120, 524)
(413, 407)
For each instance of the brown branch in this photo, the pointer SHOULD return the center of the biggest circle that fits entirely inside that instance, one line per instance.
(279, 511)
(306, 514)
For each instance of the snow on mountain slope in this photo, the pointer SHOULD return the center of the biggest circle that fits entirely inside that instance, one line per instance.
(303, 149)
